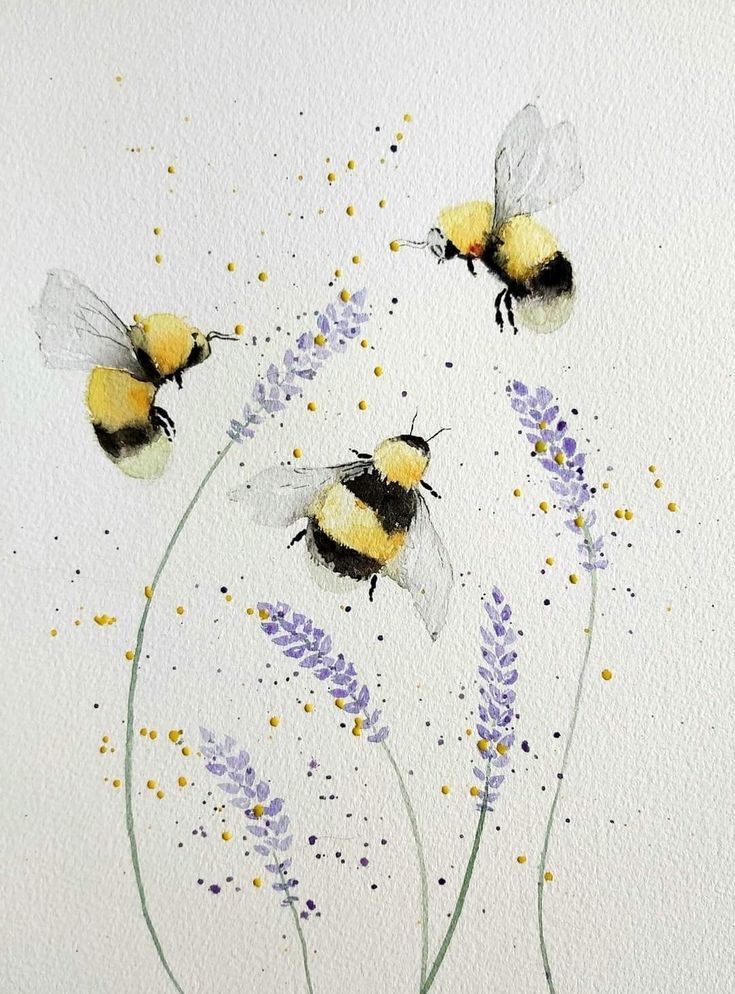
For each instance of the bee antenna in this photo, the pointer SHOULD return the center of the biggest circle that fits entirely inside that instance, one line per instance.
(410, 244)
(437, 433)
(413, 422)
(224, 338)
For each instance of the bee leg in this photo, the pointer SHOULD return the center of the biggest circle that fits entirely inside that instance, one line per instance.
(498, 312)
(509, 309)
(177, 378)
(163, 420)
(373, 584)
(361, 455)
(471, 266)
(431, 490)
(297, 538)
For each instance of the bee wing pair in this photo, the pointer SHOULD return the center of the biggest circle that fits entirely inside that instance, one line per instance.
(535, 166)
(281, 496)
(77, 330)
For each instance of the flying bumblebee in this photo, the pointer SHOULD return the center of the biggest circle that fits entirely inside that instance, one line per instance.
(535, 167)
(77, 330)
(364, 519)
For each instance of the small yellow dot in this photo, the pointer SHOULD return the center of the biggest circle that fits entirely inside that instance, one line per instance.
(186, 751)
(628, 515)
(468, 731)
(606, 674)
(407, 118)
(331, 177)
(311, 406)
(399, 136)
(258, 810)
(174, 735)
(673, 506)
(151, 785)
(156, 231)
(579, 521)
(559, 459)
(153, 734)
(445, 789)
(143, 731)
(573, 578)
(171, 169)
(364, 343)
(300, 176)
(103, 749)
(263, 277)
(159, 259)
(378, 371)
(274, 721)
(77, 622)
(619, 513)
(226, 836)
(182, 781)
(658, 484)
(257, 882)
(351, 164)
(474, 791)
(382, 203)
(394, 246)
(297, 453)
(356, 260)
(308, 707)
(53, 633)
(148, 591)
(117, 783)
(345, 296)
(517, 492)
(118, 79)
(483, 745)
(160, 794)
(263, 614)
(339, 702)
(320, 340)
(549, 560)
(105, 738)
(249, 610)
(501, 748)
(338, 273)
(605, 486)
(521, 859)
(130, 654)
(543, 506)
(228, 598)
(548, 876)
(180, 609)
(350, 211)
(231, 267)
(651, 468)
(540, 446)
(363, 405)
(239, 329)
(357, 731)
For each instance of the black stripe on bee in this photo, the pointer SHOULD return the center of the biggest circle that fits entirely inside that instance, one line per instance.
(124, 441)
(394, 506)
(339, 558)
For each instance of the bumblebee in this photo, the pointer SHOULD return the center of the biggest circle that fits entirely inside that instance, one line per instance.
(364, 519)
(77, 330)
(535, 167)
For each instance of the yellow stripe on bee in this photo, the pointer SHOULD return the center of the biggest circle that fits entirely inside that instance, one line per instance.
(167, 340)
(352, 523)
(468, 225)
(117, 400)
(525, 246)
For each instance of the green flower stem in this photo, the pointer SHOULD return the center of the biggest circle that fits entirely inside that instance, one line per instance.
(130, 718)
(422, 864)
(299, 930)
(562, 771)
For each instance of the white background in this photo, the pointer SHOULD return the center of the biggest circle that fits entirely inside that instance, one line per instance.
(642, 898)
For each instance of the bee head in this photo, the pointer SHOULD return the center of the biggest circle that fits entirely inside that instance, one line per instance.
(402, 459)
(200, 349)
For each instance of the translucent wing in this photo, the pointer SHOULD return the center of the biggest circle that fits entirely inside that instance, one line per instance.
(281, 495)
(423, 568)
(535, 166)
(77, 330)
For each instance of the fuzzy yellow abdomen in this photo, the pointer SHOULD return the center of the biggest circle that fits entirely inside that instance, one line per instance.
(525, 246)
(349, 521)
(117, 400)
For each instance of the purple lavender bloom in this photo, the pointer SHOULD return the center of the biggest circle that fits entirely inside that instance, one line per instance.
(266, 821)
(298, 638)
(498, 674)
(336, 326)
(557, 452)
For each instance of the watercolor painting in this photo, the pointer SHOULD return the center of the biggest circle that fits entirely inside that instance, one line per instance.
(351, 644)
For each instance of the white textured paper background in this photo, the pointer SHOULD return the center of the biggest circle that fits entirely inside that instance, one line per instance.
(642, 898)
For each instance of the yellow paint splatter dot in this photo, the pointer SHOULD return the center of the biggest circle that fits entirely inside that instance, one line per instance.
(628, 515)
(180, 609)
(320, 340)
(606, 674)
(445, 789)
(153, 734)
(258, 810)
(352, 164)
(308, 707)
(549, 560)
(171, 169)
(105, 738)
(363, 405)
(357, 731)
(364, 343)
(394, 246)
(673, 506)
(130, 654)
(297, 453)
(53, 633)
(143, 731)
(174, 735)
(651, 468)
(103, 749)
(579, 521)
(382, 203)
(483, 745)
(116, 783)
(350, 211)
(186, 751)
(399, 136)
(263, 614)
(257, 882)
(239, 329)
(263, 277)
(407, 118)
(345, 295)
(226, 836)
(249, 610)
(156, 231)
(521, 859)
(77, 622)
(619, 512)
(274, 721)
(543, 506)
(605, 486)
(182, 781)
(118, 79)
(148, 591)
(474, 791)
(548, 876)
(378, 371)
(331, 177)
(356, 260)
(573, 578)
(517, 492)
(501, 748)
(540, 446)
(559, 459)
(151, 785)
(658, 484)
(338, 273)
(311, 406)
(160, 794)
(339, 702)
(231, 267)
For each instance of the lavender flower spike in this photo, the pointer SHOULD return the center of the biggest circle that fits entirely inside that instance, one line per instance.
(336, 326)
(498, 674)
(557, 452)
(298, 638)
(266, 822)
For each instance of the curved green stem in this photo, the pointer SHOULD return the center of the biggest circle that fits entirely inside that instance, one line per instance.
(299, 930)
(130, 717)
(422, 864)
(562, 771)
